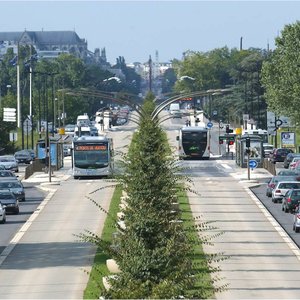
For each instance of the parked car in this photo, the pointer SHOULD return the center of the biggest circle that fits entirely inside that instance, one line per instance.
(294, 162)
(287, 173)
(67, 149)
(23, 156)
(16, 187)
(9, 162)
(268, 148)
(291, 200)
(296, 223)
(289, 158)
(282, 188)
(279, 154)
(274, 180)
(2, 214)
(9, 201)
(6, 174)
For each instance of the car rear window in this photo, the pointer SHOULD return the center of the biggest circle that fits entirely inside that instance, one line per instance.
(289, 185)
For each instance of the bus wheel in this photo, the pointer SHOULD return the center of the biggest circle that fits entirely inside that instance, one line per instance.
(75, 177)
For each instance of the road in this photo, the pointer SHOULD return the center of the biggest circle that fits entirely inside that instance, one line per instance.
(262, 263)
(34, 196)
(284, 219)
(48, 261)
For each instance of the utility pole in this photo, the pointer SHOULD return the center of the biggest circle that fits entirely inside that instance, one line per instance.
(19, 121)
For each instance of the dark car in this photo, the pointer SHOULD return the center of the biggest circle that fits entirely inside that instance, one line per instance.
(288, 159)
(9, 201)
(14, 186)
(274, 180)
(23, 156)
(279, 154)
(291, 200)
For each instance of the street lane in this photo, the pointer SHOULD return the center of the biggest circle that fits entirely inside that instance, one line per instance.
(49, 262)
(260, 264)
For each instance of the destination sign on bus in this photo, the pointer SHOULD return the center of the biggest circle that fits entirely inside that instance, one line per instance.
(90, 147)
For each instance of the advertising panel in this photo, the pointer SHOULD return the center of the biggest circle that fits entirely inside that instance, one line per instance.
(288, 139)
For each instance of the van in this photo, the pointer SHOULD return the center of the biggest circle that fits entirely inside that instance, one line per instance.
(175, 110)
(83, 120)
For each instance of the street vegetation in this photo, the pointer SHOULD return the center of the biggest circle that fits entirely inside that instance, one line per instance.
(159, 252)
(259, 79)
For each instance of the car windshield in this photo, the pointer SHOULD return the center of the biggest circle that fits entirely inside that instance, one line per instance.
(6, 196)
(6, 174)
(10, 185)
(7, 159)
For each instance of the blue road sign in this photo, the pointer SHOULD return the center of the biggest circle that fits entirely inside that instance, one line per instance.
(210, 125)
(252, 164)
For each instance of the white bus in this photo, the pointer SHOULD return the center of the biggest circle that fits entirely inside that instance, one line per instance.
(260, 132)
(92, 156)
(193, 143)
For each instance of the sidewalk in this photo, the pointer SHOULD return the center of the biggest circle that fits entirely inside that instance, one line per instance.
(56, 177)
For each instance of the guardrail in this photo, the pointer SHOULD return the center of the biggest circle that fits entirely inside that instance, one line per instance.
(35, 166)
(268, 165)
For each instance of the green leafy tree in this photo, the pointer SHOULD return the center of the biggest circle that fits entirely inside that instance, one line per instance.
(281, 75)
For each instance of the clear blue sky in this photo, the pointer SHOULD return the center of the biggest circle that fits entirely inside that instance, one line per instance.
(136, 29)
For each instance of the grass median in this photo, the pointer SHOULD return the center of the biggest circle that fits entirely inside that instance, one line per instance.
(99, 269)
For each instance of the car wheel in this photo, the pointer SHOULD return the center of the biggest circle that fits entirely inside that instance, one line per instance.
(4, 220)
(282, 208)
(294, 227)
(297, 229)
(17, 210)
(75, 177)
(286, 210)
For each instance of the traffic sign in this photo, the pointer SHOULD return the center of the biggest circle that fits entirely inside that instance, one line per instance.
(215, 113)
(253, 164)
(210, 125)
(9, 114)
(27, 126)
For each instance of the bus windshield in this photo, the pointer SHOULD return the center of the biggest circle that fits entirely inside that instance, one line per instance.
(91, 156)
(194, 143)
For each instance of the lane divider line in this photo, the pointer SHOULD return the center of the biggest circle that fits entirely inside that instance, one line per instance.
(14, 241)
(287, 239)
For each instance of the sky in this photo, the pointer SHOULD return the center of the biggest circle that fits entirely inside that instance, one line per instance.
(137, 29)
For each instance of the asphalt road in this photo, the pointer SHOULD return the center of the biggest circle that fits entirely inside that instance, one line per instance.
(34, 196)
(49, 261)
(284, 219)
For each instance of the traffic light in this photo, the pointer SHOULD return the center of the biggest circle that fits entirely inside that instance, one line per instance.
(230, 142)
(227, 128)
(248, 142)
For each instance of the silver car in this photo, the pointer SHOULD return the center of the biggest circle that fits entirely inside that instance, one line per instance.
(9, 201)
(296, 224)
(9, 162)
(14, 186)
(2, 214)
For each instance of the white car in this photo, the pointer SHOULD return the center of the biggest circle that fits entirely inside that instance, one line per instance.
(281, 189)
(268, 148)
(2, 214)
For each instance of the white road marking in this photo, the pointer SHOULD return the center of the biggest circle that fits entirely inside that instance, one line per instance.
(14, 241)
